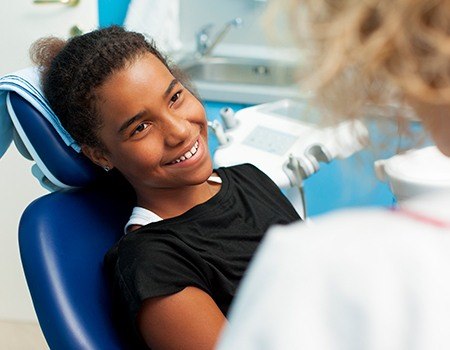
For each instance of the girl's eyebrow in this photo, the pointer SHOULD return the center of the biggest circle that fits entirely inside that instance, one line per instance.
(170, 87)
(130, 121)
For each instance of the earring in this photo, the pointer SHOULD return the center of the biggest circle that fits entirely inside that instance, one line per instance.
(106, 168)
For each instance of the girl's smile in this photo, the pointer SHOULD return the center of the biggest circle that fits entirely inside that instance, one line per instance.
(188, 155)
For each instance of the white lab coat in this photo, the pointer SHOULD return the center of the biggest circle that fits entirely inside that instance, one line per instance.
(357, 279)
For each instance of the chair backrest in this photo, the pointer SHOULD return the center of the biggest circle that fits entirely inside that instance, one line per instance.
(61, 164)
(63, 237)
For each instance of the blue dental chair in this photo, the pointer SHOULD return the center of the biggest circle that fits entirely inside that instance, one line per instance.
(64, 235)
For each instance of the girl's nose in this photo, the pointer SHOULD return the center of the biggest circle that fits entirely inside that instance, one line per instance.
(177, 130)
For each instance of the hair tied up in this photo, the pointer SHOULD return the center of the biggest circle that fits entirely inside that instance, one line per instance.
(44, 50)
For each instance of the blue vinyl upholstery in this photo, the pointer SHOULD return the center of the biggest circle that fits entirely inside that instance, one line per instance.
(68, 166)
(63, 237)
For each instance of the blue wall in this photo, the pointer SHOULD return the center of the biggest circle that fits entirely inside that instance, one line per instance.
(112, 11)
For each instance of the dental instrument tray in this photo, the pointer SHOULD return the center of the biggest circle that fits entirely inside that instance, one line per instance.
(284, 139)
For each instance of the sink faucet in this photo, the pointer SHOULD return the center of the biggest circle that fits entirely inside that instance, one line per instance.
(204, 43)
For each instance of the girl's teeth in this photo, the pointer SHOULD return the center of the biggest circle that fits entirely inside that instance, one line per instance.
(188, 154)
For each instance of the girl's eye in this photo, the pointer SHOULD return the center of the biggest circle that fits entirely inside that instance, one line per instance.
(175, 97)
(141, 127)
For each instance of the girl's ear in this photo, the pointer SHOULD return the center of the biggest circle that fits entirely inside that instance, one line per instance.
(97, 156)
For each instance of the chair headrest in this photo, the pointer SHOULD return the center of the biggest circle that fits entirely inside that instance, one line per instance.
(60, 165)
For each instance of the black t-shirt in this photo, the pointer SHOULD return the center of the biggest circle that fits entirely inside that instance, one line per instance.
(208, 247)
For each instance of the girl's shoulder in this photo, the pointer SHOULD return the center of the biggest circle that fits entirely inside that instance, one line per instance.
(240, 168)
(244, 172)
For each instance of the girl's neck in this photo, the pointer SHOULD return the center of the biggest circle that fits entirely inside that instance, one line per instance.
(168, 203)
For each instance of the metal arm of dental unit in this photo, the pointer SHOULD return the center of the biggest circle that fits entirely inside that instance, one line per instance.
(300, 168)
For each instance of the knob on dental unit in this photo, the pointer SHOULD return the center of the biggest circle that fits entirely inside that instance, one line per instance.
(218, 130)
(228, 118)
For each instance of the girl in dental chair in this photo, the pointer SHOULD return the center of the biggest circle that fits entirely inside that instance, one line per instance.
(194, 229)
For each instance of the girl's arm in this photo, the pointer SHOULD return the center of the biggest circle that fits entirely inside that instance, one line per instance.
(189, 319)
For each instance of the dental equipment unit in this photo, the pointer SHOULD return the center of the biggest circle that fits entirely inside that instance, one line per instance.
(285, 140)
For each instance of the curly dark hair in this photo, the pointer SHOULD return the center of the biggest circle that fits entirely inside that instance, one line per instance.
(72, 70)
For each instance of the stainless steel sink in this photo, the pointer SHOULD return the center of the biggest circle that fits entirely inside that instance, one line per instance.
(242, 80)
(227, 70)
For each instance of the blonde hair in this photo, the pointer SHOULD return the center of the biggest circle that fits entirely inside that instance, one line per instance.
(371, 51)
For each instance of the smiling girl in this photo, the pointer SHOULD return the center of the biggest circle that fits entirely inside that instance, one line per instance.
(194, 229)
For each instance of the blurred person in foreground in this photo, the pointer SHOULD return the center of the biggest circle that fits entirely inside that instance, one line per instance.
(362, 278)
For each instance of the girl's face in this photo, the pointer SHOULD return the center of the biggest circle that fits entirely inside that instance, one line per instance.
(155, 130)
